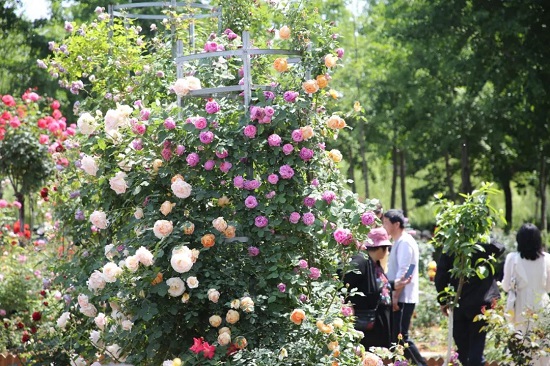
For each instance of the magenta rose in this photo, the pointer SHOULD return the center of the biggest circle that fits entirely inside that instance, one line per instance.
(368, 218)
(222, 154)
(192, 159)
(169, 123)
(294, 217)
(209, 165)
(251, 202)
(286, 172)
(261, 221)
(290, 96)
(206, 137)
(238, 181)
(250, 131)
(297, 135)
(309, 201)
(273, 178)
(342, 236)
(328, 196)
(225, 166)
(302, 263)
(274, 140)
(251, 185)
(306, 154)
(270, 195)
(180, 149)
(212, 107)
(314, 273)
(288, 149)
(308, 219)
(200, 123)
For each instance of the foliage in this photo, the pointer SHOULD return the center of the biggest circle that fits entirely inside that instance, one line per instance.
(246, 206)
(512, 346)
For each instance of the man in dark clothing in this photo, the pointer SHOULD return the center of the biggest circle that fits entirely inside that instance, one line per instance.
(477, 294)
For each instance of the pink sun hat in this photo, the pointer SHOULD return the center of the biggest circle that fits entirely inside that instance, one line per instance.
(379, 238)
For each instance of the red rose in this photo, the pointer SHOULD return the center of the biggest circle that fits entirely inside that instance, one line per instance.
(26, 337)
(20, 325)
(45, 303)
(36, 316)
(34, 329)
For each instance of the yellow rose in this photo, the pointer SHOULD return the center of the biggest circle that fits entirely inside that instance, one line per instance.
(332, 345)
(357, 106)
(310, 86)
(333, 93)
(335, 155)
(322, 81)
(307, 132)
(330, 60)
(297, 316)
(176, 362)
(280, 64)
(324, 328)
(284, 32)
(208, 240)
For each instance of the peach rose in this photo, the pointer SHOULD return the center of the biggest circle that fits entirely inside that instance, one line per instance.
(176, 177)
(322, 81)
(223, 201)
(241, 342)
(247, 304)
(224, 339)
(89, 165)
(166, 207)
(215, 320)
(284, 32)
(208, 240)
(230, 232)
(224, 330)
(213, 295)
(157, 163)
(144, 256)
(111, 271)
(162, 228)
(138, 213)
(219, 224)
(335, 155)
(235, 304)
(232, 316)
(181, 260)
(280, 64)
(188, 228)
(195, 255)
(324, 328)
(310, 86)
(192, 282)
(181, 188)
(330, 60)
(96, 281)
(307, 132)
(336, 122)
(297, 316)
(332, 345)
(132, 263)
(158, 279)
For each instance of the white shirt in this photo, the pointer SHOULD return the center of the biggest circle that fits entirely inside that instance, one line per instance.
(403, 253)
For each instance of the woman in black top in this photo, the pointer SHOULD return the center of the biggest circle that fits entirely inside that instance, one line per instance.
(376, 289)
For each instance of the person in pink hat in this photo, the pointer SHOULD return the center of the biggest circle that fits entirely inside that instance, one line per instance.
(373, 308)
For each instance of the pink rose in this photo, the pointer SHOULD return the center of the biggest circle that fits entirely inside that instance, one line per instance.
(288, 149)
(250, 131)
(251, 202)
(193, 159)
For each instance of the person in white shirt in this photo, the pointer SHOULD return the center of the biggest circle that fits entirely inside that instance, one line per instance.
(403, 253)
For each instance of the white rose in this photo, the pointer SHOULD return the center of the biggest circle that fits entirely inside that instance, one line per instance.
(86, 124)
(215, 320)
(219, 224)
(181, 261)
(109, 253)
(235, 304)
(176, 286)
(89, 310)
(118, 184)
(132, 263)
(166, 207)
(100, 320)
(193, 83)
(114, 352)
(96, 281)
(127, 325)
(89, 165)
(82, 300)
(144, 256)
(125, 110)
(168, 363)
(162, 228)
(224, 339)
(111, 271)
(112, 120)
(99, 219)
(138, 214)
(78, 361)
(213, 295)
(181, 188)
(192, 282)
(63, 319)
(95, 337)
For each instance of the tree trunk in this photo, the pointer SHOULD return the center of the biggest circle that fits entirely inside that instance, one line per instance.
(403, 172)
(351, 170)
(449, 176)
(543, 181)
(505, 183)
(394, 175)
(363, 152)
(465, 168)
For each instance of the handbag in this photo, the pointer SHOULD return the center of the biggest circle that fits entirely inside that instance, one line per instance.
(365, 319)
(511, 299)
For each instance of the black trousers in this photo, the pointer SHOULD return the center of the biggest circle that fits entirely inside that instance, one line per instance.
(469, 339)
(401, 324)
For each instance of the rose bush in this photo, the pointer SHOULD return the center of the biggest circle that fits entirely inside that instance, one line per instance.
(208, 232)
